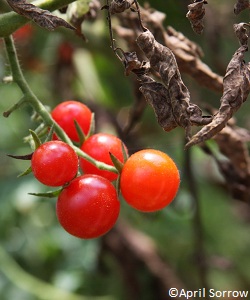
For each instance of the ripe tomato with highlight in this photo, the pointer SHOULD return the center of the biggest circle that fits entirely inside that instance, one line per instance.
(66, 112)
(88, 207)
(149, 180)
(99, 146)
(54, 163)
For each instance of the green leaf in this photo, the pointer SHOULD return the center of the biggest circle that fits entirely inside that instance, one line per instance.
(117, 163)
(51, 194)
(92, 126)
(26, 172)
(80, 133)
(124, 152)
(36, 139)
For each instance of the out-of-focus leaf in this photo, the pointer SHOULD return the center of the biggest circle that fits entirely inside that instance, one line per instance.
(51, 194)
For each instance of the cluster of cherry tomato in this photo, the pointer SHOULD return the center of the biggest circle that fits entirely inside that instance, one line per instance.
(88, 204)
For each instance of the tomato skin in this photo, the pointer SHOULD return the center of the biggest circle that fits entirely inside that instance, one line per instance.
(88, 207)
(54, 163)
(66, 112)
(24, 33)
(149, 180)
(99, 146)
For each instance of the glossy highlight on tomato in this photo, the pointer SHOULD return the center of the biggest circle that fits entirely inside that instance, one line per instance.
(98, 146)
(88, 207)
(66, 112)
(149, 180)
(54, 163)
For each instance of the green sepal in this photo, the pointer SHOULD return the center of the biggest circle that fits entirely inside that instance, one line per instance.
(80, 133)
(124, 152)
(51, 194)
(92, 126)
(26, 172)
(117, 163)
(36, 139)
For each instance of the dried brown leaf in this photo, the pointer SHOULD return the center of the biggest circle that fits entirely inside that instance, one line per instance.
(163, 61)
(241, 30)
(119, 6)
(236, 87)
(187, 52)
(196, 13)
(241, 5)
(131, 62)
(41, 17)
(157, 96)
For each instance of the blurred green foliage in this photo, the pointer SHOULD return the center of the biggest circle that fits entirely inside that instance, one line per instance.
(31, 240)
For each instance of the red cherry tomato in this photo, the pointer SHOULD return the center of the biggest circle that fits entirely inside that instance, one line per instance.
(99, 146)
(149, 180)
(88, 207)
(24, 33)
(54, 163)
(66, 112)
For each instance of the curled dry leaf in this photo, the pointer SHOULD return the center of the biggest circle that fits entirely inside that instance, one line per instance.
(119, 6)
(157, 96)
(163, 61)
(241, 32)
(196, 13)
(41, 17)
(132, 63)
(241, 5)
(236, 88)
